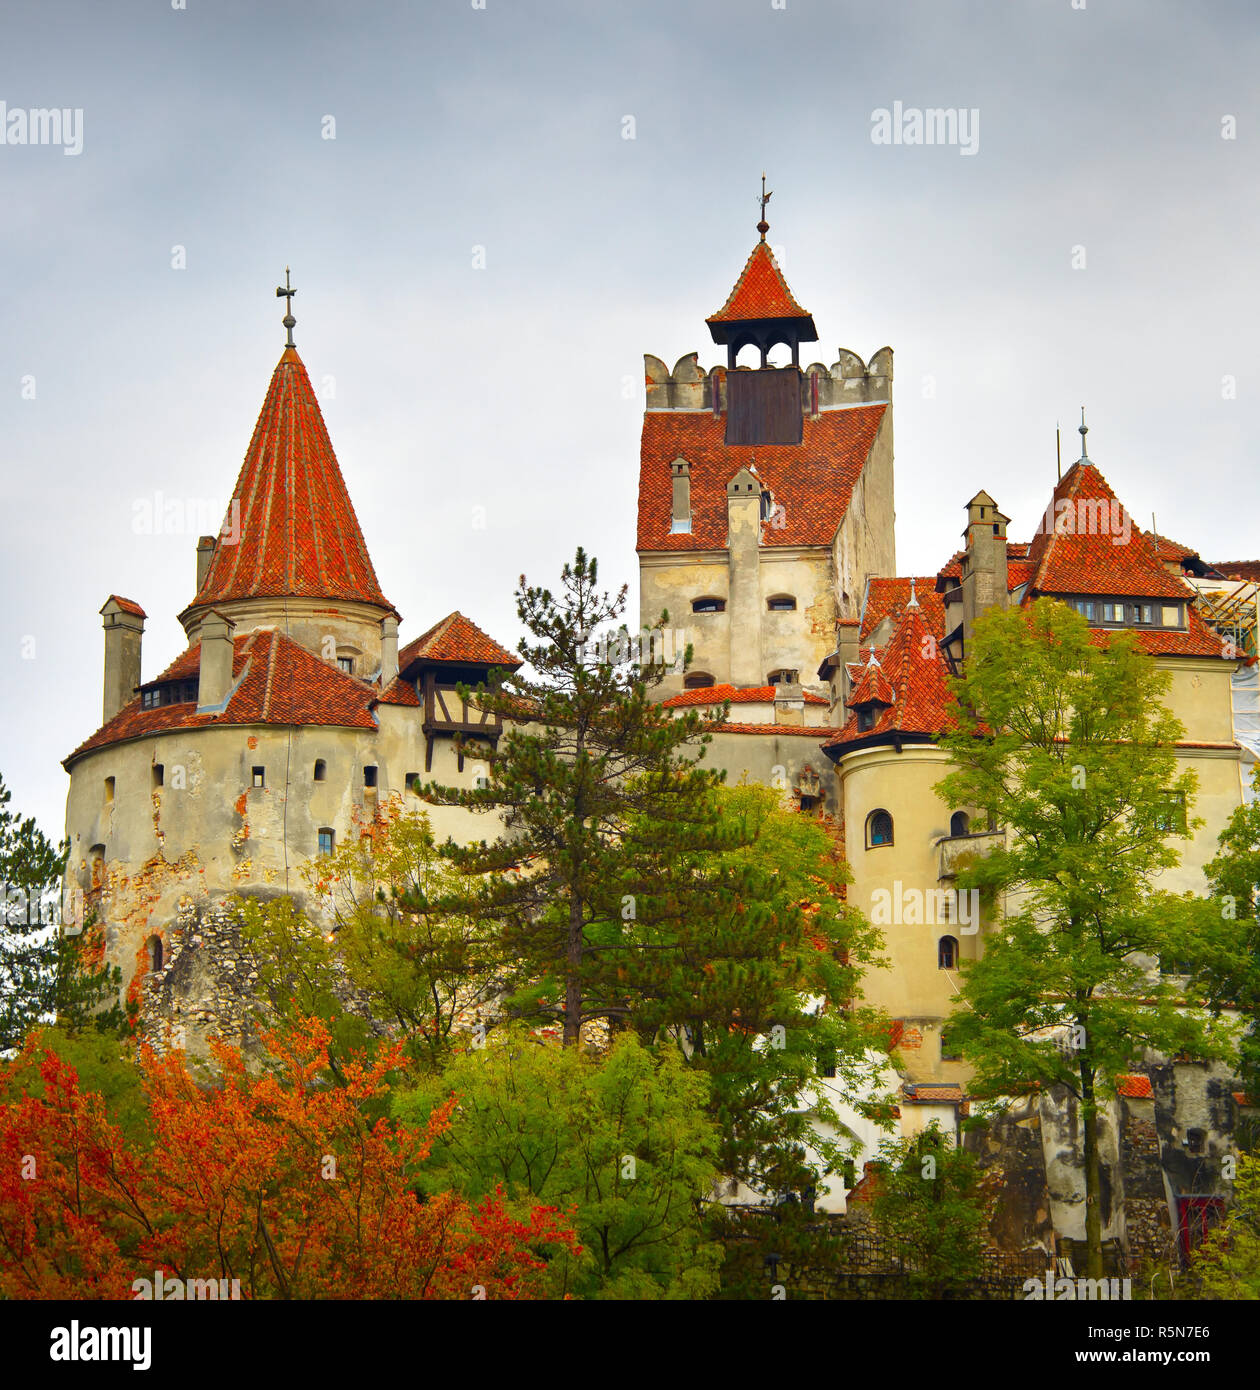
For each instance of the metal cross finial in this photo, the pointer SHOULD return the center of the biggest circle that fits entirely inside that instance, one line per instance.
(1083, 430)
(286, 292)
(763, 226)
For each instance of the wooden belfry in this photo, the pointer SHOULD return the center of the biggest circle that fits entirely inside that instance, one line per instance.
(765, 405)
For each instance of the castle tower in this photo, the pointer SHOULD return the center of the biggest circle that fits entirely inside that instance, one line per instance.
(765, 496)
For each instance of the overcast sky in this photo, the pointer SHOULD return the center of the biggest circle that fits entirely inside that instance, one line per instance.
(517, 388)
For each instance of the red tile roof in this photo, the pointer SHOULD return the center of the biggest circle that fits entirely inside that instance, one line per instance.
(1169, 550)
(913, 663)
(1085, 556)
(1237, 569)
(761, 292)
(888, 598)
(280, 683)
(716, 694)
(952, 569)
(456, 639)
(1134, 1086)
(399, 692)
(1196, 640)
(299, 535)
(128, 605)
(926, 1093)
(871, 684)
(812, 480)
(817, 733)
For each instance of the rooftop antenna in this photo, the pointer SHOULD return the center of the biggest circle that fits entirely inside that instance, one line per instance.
(763, 226)
(286, 293)
(1058, 454)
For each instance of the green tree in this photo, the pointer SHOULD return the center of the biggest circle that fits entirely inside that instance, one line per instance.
(47, 971)
(1065, 742)
(622, 1141)
(1227, 1264)
(1230, 976)
(927, 1204)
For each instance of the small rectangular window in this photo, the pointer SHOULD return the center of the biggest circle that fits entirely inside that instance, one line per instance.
(159, 774)
(347, 664)
(1143, 613)
(413, 782)
(326, 840)
(109, 789)
(1085, 608)
(369, 776)
(260, 776)
(1172, 614)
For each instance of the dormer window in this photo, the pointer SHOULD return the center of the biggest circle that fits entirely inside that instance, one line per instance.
(866, 719)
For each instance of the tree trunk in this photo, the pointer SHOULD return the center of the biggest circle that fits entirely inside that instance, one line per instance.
(1093, 1180)
(572, 982)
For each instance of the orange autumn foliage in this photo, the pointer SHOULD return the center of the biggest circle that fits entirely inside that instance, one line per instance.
(277, 1180)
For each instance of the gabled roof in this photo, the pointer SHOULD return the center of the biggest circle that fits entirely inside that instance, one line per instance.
(737, 695)
(282, 683)
(761, 292)
(1073, 554)
(125, 605)
(914, 666)
(298, 534)
(457, 640)
(812, 480)
(888, 598)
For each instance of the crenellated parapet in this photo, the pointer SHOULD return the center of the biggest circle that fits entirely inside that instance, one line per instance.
(848, 381)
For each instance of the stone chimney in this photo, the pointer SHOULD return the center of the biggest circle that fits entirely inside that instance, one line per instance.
(389, 649)
(789, 704)
(216, 662)
(984, 577)
(205, 553)
(123, 621)
(680, 472)
(743, 539)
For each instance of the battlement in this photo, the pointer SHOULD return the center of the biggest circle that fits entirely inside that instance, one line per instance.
(848, 381)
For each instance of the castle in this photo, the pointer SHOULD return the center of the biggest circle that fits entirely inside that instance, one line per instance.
(765, 528)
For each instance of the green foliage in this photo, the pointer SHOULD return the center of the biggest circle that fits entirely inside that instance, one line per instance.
(928, 1206)
(1067, 745)
(1227, 1264)
(46, 973)
(1230, 976)
(623, 1141)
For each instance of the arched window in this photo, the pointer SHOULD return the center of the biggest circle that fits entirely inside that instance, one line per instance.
(321, 769)
(708, 605)
(879, 829)
(959, 823)
(697, 680)
(781, 603)
(947, 953)
(154, 948)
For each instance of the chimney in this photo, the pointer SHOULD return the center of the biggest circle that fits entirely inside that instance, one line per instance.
(789, 704)
(743, 540)
(984, 576)
(216, 662)
(680, 472)
(205, 553)
(389, 649)
(123, 621)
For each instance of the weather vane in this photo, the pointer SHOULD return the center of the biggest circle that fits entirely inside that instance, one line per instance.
(286, 293)
(763, 226)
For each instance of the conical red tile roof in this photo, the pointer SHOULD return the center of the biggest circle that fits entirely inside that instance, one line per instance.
(299, 536)
(761, 292)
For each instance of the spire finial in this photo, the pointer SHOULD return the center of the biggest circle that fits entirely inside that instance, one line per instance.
(286, 293)
(1083, 430)
(763, 226)
(913, 601)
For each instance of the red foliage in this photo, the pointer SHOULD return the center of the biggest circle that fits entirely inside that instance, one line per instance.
(278, 1180)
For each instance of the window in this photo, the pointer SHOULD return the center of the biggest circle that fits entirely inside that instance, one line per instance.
(413, 783)
(1170, 813)
(879, 829)
(866, 718)
(109, 789)
(96, 859)
(781, 603)
(159, 774)
(680, 525)
(347, 664)
(826, 1061)
(369, 776)
(960, 823)
(783, 677)
(153, 948)
(1111, 612)
(1143, 613)
(708, 605)
(947, 953)
(327, 840)
(767, 504)
(1085, 607)
(697, 680)
(1172, 614)
(321, 770)
(259, 775)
